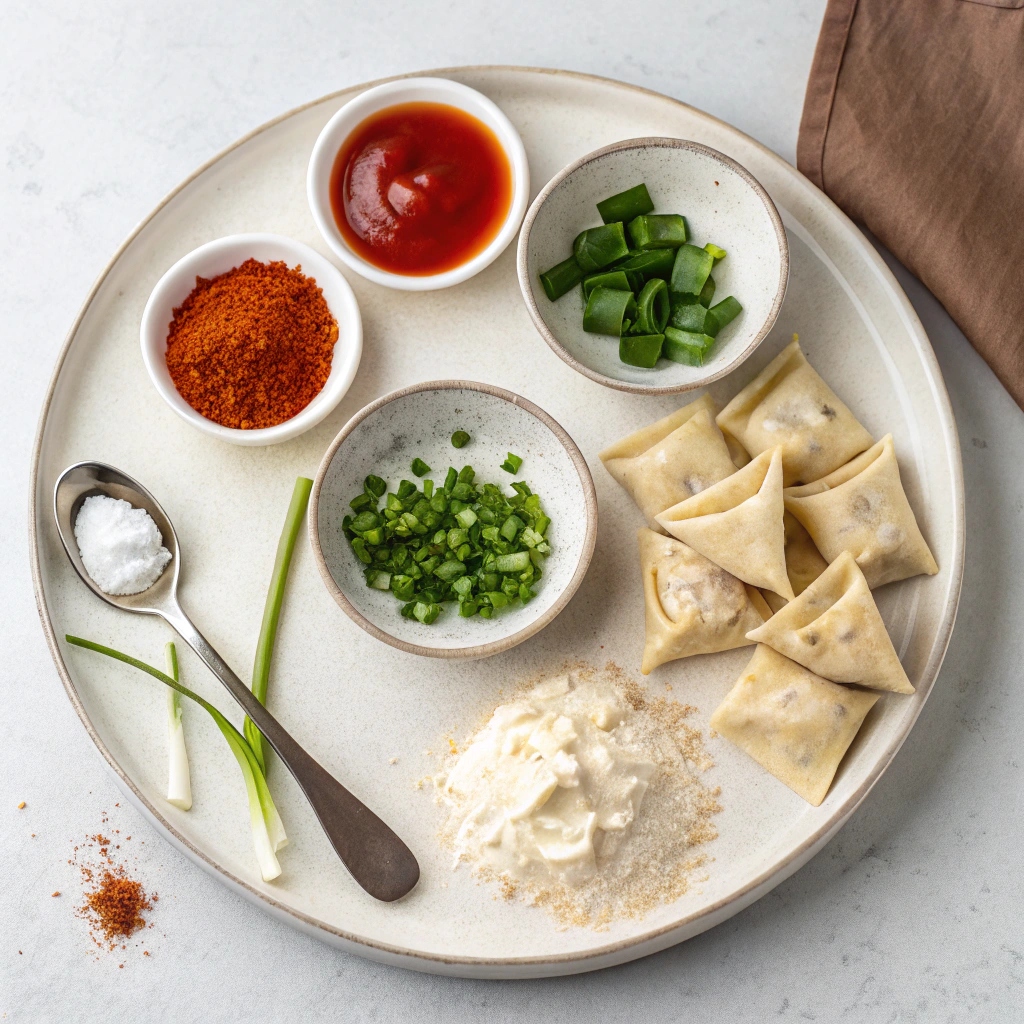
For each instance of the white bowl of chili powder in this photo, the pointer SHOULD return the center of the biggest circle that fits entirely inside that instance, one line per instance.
(252, 338)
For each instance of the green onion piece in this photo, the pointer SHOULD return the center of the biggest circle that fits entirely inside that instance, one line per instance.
(275, 599)
(378, 579)
(419, 467)
(652, 308)
(406, 489)
(513, 563)
(688, 316)
(641, 349)
(560, 279)
(719, 254)
(450, 480)
(626, 205)
(374, 486)
(658, 231)
(606, 309)
(460, 439)
(686, 346)
(595, 248)
(512, 463)
(466, 517)
(426, 613)
(360, 501)
(449, 571)
(606, 279)
(648, 263)
(179, 782)
(721, 314)
(267, 830)
(707, 293)
(690, 270)
(428, 489)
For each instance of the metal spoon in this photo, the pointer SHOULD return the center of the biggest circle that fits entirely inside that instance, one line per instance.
(378, 860)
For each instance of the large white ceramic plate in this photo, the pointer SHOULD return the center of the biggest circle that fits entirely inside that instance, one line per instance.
(357, 703)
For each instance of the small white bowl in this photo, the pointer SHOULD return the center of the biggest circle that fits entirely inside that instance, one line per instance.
(418, 421)
(415, 90)
(218, 257)
(722, 202)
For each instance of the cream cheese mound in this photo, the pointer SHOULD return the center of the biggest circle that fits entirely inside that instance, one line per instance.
(120, 545)
(546, 781)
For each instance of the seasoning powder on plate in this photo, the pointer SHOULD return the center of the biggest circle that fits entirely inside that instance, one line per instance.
(252, 348)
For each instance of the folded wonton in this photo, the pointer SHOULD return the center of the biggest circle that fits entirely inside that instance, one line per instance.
(788, 404)
(834, 629)
(692, 605)
(670, 460)
(795, 724)
(862, 508)
(804, 563)
(737, 523)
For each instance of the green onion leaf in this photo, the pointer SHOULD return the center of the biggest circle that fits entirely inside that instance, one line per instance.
(460, 439)
(419, 467)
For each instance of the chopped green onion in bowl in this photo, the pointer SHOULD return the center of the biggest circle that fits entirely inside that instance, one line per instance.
(458, 542)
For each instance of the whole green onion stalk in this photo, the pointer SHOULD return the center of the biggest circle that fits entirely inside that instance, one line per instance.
(179, 784)
(272, 610)
(267, 830)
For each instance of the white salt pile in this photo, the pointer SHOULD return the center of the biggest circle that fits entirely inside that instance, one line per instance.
(120, 545)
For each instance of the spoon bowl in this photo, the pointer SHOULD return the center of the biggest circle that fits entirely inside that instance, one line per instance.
(374, 855)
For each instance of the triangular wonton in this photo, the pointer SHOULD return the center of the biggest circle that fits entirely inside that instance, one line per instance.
(668, 461)
(795, 724)
(788, 404)
(862, 508)
(737, 523)
(834, 629)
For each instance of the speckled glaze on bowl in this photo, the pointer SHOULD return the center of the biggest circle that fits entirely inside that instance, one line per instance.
(418, 421)
(722, 202)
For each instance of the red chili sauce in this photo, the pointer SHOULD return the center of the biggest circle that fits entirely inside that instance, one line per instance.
(420, 188)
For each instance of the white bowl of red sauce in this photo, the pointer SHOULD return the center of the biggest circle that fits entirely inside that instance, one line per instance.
(419, 183)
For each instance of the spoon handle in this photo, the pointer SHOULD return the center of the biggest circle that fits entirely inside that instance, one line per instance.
(377, 859)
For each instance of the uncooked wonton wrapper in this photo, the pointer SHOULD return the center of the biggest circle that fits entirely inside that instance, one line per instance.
(692, 606)
(737, 523)
(795, 724)
(834, 629)
(788, 404)
(862, 508)
(668, 461)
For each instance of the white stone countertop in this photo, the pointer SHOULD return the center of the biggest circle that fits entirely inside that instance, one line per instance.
(915, 912)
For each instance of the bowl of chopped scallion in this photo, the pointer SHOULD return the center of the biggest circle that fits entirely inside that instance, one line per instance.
(453, 519)
(653, 265)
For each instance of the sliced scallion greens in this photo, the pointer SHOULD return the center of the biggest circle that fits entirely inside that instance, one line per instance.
(658, 231)
(626, 206)
(641, 278)
(457, 541)
(419, 467)
(641, 349)
(459, 440)
(607, 309)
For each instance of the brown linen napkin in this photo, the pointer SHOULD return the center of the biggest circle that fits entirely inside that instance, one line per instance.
(913, 123)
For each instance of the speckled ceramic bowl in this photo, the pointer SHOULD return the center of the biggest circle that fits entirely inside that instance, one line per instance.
(418, 421)
(722, 202)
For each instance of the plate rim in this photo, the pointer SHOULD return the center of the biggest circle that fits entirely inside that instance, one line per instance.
(656, 938)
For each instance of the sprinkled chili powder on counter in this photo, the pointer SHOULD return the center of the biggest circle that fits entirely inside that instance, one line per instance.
(251, 348)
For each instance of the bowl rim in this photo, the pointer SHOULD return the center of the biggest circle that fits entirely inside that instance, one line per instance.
(153, 335)
(535, 625)
(661, 142)
(364, 105)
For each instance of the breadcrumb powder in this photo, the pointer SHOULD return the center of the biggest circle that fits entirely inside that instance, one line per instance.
(662, 853)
